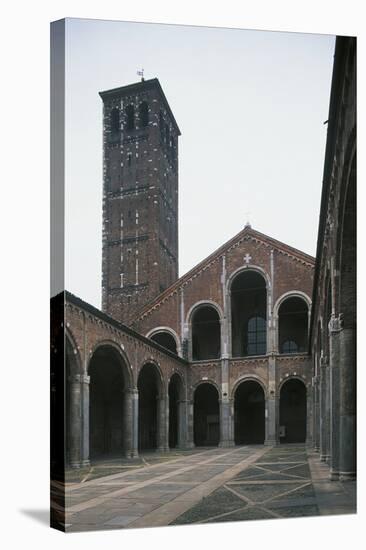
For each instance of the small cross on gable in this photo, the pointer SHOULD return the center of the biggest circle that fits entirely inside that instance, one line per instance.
(247, 258)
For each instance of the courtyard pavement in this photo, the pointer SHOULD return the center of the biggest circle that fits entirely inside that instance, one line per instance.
(205, 486)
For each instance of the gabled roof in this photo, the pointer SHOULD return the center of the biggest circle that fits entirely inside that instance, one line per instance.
(247, 232)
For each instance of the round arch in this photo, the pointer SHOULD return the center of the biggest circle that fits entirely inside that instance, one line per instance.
(110, 380)
(118, 349)
(290, 294)
(293, 410)
(292, 320)
(166, 330)
(249, 310)
(249, 411)
(206, 414)
(248, 378)
(204, 324)
(151, 389)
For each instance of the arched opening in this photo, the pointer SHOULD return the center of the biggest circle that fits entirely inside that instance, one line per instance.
(248, 314)
(130, 117)
(108, 380)
(293, 412)
(166, 340)
(206, 338)
(206, 413)
(293, 325)
(249, 413)
(144, 114)
(149, 388)
(175, 391)
(114, 121)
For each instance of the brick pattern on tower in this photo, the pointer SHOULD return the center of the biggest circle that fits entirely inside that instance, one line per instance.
(140, 198)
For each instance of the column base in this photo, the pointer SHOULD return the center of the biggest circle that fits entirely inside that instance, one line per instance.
(78, 465)
(227, 443)
(334, 475)
(130, 453)
(324, 458)
(271, 442)
(162, 449)
(347, 476)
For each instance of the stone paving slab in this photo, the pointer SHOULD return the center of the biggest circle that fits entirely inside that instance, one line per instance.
(212, 485)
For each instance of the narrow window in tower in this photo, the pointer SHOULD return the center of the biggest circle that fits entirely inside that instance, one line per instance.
(137, 217)
(129, 158)
(114, 121)
(137, 270)
(122, 280)
(130, 117)
(144, 114)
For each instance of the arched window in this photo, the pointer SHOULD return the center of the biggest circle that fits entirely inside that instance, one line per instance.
(206, 339)
(289, 346)
(293, 325)
(248, 314)
(130, 117)
(144, 114)
(256, 336)
(166, 340)
(114, 121)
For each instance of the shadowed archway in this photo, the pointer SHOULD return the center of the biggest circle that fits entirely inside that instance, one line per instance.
(150, 391)
(175, 392)
(109, 380)
(293, 412)
(206, 414)
(249, 413)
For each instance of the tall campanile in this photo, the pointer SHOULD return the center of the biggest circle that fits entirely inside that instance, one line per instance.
(140, 197)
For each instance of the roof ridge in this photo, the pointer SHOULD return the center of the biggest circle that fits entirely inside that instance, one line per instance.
(217, 253)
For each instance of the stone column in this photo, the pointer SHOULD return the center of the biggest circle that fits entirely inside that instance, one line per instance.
(316, 431)
(347, 460)
(190, 420)
(163, 423)
(85, 385)
(335, 327)
(78, 420)
(128, 423)
(324, 410)
(225, 407)
(135, 422)
(271, 409)
(309, 416)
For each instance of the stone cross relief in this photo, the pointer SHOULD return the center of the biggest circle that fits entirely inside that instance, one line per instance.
(247, 258)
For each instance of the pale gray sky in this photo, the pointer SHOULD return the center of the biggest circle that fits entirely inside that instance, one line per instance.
(251, 107)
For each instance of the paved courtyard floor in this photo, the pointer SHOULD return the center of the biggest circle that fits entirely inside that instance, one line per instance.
(205, 486)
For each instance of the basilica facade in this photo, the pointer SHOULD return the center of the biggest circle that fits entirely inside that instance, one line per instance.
(254, 345)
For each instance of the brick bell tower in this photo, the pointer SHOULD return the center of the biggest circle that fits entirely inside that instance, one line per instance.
(140, 197)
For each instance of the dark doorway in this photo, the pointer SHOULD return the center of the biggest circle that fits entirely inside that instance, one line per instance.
(175, 396)
(293, 412)
(166, 340)
(206, 334)
(293, 325)
(248, 314)
(206, 416)
(107, 386)
(249, 407)
(149, 391)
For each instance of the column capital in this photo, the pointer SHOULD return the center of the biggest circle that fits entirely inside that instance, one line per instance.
(79, 379)
(336, 323)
